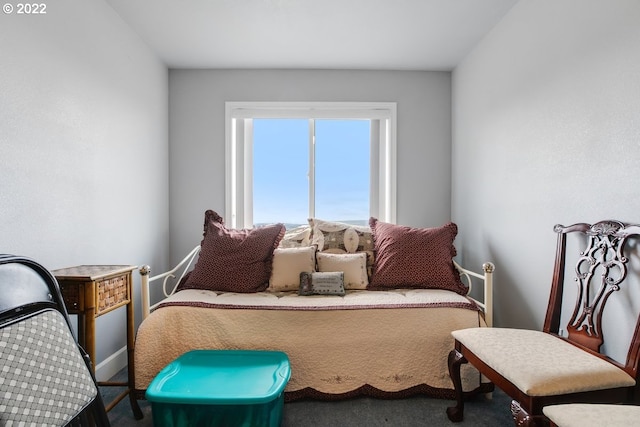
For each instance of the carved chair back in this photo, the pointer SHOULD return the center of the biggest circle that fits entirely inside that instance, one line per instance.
(599, 273)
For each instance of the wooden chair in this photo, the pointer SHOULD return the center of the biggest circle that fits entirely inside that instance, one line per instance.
(540, 368)
(46, 377)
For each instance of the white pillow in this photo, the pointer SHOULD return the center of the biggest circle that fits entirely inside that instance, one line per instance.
(354, 267)
(287, 265)
(296, 237)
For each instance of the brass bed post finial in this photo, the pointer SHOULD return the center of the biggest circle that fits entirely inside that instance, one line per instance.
(488, 267)
(145, 270)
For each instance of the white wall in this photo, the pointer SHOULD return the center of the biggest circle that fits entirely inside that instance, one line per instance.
(196, 122)
(546, 130)
(83, 145)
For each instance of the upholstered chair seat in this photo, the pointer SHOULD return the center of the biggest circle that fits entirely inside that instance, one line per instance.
(592, 415)
(540, 364)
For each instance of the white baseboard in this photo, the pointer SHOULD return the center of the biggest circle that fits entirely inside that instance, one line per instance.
(113, 364)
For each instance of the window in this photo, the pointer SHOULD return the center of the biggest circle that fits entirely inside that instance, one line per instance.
(311, 168)
(287, 162)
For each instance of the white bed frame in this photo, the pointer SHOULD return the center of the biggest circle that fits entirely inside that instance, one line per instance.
(170, 279)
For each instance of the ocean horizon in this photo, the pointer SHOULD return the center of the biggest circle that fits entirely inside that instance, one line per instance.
(292, 225)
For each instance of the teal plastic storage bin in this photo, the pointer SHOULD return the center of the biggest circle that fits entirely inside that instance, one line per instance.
(220, 388)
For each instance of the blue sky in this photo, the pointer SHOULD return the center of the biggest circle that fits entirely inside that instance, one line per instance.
(281, 153)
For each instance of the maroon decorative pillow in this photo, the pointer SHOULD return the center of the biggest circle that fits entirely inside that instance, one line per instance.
(407, 257)
(234, 260)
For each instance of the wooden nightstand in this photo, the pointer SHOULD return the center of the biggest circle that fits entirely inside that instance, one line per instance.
(90, 291)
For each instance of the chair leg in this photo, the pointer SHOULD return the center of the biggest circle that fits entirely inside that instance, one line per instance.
(521, 418)
(135, 407)
(456, 359)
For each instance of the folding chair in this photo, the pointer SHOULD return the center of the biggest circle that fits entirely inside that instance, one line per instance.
(540, 368)
(45, 376)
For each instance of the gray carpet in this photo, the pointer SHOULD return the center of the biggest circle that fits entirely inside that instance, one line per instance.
(366, 412)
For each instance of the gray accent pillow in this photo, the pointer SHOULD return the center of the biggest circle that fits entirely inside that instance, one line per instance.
(322, 283)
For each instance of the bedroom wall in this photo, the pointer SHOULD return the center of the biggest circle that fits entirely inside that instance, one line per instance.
(197, 145)
(83, 146)
(545, 131)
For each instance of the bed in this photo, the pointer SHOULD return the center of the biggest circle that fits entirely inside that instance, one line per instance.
(387, 343)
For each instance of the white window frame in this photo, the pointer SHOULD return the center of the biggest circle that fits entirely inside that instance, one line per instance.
(239, 161)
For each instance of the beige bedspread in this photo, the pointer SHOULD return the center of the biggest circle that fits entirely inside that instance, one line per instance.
(387, 340)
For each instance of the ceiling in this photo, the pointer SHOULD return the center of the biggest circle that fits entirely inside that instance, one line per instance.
(312, 34)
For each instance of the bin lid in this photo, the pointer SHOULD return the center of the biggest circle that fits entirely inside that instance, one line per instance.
(222, 377)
